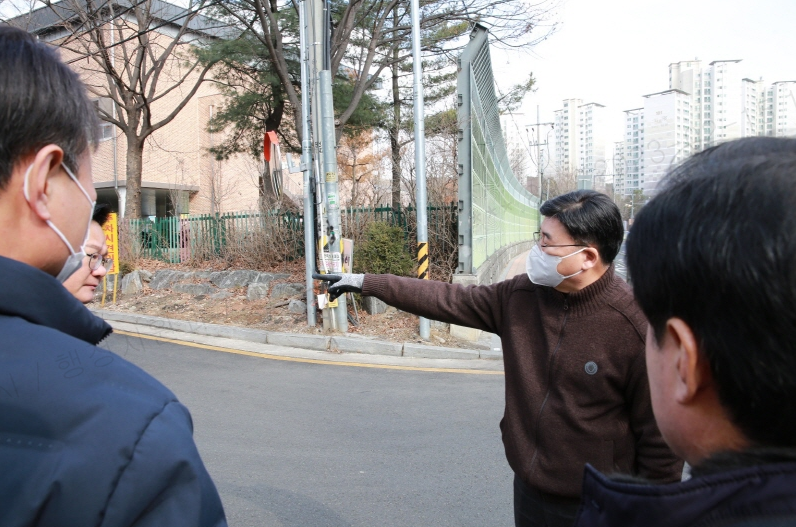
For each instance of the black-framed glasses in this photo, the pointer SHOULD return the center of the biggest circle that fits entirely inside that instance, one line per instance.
(537, 238)
(96, 260)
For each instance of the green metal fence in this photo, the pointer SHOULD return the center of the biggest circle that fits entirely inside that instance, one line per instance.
(179, 239)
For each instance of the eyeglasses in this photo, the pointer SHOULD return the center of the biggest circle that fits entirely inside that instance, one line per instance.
(96, 260)
(537, 237)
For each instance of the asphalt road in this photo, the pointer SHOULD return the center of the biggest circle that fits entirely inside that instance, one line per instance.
(305, 445)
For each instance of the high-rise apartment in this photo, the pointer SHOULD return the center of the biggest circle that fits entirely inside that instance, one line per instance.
(580, 141)
(633, 152)
(566, 136)
(705, 105)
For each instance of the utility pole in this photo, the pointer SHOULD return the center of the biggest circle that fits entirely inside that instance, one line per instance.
(306, 165)
(538, 127)
(324, 154)
(420, 160)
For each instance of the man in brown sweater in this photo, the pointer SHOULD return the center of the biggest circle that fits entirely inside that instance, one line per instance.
(573, 351)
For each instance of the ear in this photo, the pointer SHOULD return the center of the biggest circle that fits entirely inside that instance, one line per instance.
(692, 374)
(592, 257)
(38, 184)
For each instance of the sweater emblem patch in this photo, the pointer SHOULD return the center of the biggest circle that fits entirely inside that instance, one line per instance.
(591, 367)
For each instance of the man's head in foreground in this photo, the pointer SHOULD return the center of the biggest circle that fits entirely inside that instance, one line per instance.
(713, 262)
(47, 126)
(579, 238)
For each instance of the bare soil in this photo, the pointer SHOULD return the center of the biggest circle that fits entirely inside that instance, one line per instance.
(268, 314)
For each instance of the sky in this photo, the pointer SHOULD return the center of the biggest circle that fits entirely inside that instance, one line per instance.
(613, 52)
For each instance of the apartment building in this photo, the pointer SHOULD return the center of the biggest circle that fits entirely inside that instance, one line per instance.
(566, 143)
(705, 105)
(580, 141)
(780, 109)
(632, 176)
(592, 143)
(667, 135)
(618, 168)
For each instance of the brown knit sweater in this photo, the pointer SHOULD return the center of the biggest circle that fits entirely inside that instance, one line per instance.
(576, 377)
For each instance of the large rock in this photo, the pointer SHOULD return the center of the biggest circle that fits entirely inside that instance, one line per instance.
(264, 278)
(232, 279)
(257, 291)
(194, 289)
(165, 278)
(146, 276)
(297, 306)
(132, 284)
(373, 305)
(287, 290)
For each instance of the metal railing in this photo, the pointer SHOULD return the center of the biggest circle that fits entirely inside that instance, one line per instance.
(179, 239)
(494, 209)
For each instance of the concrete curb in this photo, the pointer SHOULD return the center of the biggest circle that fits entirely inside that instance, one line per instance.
(341, 343)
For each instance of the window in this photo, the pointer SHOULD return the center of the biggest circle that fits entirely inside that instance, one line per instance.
(106, 129)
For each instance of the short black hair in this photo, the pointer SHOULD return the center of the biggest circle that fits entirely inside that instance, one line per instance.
(42, 102)
(101, 213)
(590, 217)
(716, 247)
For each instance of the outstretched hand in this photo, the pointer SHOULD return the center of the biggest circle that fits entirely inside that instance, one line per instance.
(340, 283)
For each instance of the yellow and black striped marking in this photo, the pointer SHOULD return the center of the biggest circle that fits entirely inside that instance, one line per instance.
(422, 260)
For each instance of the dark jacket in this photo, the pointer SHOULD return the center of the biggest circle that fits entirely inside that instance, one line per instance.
(576, 377)
(87, 438)
(748, 491)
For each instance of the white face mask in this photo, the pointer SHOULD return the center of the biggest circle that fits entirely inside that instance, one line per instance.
(542, 268)
(75, 259)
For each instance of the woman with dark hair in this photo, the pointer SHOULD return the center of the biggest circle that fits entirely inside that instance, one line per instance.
(85, 280)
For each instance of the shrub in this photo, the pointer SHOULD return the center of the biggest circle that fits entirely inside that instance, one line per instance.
(383, 251)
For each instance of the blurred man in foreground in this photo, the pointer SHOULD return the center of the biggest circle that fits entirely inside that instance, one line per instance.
(713, 262)
(86, 438)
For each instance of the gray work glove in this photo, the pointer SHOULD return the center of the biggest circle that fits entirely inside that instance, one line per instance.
(340, 283)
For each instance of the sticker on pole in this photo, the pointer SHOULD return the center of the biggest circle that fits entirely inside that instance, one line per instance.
(331, 177)
(332, 261)
(332, 199)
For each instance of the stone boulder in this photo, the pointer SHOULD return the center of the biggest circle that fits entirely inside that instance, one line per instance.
(194, 289)
(373, 305)
(256, 291)
(287, 290)
(132, 284)
(264, 278)
(297, 306)
(233, 279)
(166, 278)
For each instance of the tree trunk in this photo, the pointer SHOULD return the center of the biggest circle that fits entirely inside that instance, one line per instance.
(135, 156)
(395, 128)
(267, 191)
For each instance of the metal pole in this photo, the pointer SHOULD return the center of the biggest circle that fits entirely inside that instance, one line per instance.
(420, 160)
(306, 166)
(538, 151)
(340, 312)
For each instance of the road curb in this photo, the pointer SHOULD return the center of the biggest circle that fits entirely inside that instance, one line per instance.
(340, 343)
